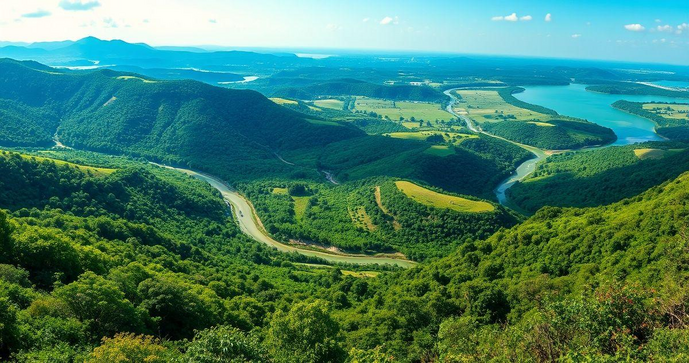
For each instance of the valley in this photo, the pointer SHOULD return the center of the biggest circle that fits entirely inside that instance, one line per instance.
(217, 204)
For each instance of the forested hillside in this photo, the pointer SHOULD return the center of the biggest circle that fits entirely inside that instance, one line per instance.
(598, 177)
(83, 277)
(353, 87)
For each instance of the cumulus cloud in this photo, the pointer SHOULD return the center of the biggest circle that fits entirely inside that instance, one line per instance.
(79, 5)
(388, 20)
(511, 17)
(664, 28)
(526, 18)
(635, 27)
(110, 23)
(681, 28)
(366, 20)
(548, 17)
(37, 14)
(575, 36)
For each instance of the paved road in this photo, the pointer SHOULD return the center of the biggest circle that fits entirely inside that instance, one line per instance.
(250, 225)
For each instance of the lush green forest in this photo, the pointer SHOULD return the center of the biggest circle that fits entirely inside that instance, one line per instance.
(629, 88)
(601, 176)
(84, 278)
(564, 134)
(671, 128)
(368, 216)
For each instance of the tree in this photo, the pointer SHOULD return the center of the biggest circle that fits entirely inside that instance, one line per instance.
(5, 241)
(307, 333)
(132, 348)
(224, 344)
(99, 303)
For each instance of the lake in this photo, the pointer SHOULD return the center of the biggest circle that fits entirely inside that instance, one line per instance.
(573, 100)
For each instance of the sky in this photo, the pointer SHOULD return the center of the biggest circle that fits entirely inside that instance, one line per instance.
(629, 30)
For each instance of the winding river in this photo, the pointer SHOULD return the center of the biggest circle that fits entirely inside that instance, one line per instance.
(250, 224)
(522, 171)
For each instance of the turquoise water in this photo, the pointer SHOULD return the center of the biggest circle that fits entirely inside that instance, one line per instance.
(575, 101)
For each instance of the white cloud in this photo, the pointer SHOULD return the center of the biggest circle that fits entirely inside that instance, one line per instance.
(512, 17)
(635, 27)
(664, 28)
(333, 27)
(386, 20)
(526, 18)
(658, 21)
(575, 36)
(681, 28)
(548, 17)
(366, 20)
(79, 5)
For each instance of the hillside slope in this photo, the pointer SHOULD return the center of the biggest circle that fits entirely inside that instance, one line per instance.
(608, 283)
(228, 131)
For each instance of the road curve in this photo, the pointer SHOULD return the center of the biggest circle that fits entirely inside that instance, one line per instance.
(249, 223)
(522, 171)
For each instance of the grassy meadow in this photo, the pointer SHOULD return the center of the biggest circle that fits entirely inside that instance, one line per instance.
(442, 201)
(394, 110)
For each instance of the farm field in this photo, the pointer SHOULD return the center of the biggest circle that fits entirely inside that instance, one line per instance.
(442, 201)
(453, 137)
(655, 154)
(332, 104)
(394, 110)
(669, 111)
(488, 106)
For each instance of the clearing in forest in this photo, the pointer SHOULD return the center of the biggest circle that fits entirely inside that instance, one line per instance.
(443, 201)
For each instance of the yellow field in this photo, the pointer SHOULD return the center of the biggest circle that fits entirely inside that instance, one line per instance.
(654, 154)
(486, 106)
(330, 103)
(83, 168)
(677, 112)
(395, 109)
(362, 219)
(453, 137)
(126, 78)
(300, 204)
(442, 201)
(280, 191)
(360, 274)
(283, 101)
(545, 124)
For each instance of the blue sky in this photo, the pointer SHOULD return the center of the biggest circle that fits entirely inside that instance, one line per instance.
(632, 30)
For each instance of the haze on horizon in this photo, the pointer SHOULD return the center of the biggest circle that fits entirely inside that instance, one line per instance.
(634, 31)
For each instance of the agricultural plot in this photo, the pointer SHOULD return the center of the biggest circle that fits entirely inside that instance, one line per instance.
(83, 168)
(655, 154)
(283, 101)
(394, 110)
(498, 113)
(488, 106)
(448, 137)
(669, 111)
(332, 104)
(442, 201)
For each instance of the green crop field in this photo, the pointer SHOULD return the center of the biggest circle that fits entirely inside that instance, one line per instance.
(395, 109)
(442, 201)
(440, 150)
(329, 103)
(453, 137)
(83, 168)
(669, 111)
(488, 106)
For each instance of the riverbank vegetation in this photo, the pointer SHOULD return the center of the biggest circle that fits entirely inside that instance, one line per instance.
(602, 176)
(671, 119)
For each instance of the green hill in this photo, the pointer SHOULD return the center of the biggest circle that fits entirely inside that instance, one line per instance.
(226, 131)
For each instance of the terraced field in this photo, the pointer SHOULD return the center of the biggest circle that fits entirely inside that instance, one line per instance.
(442, 201)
